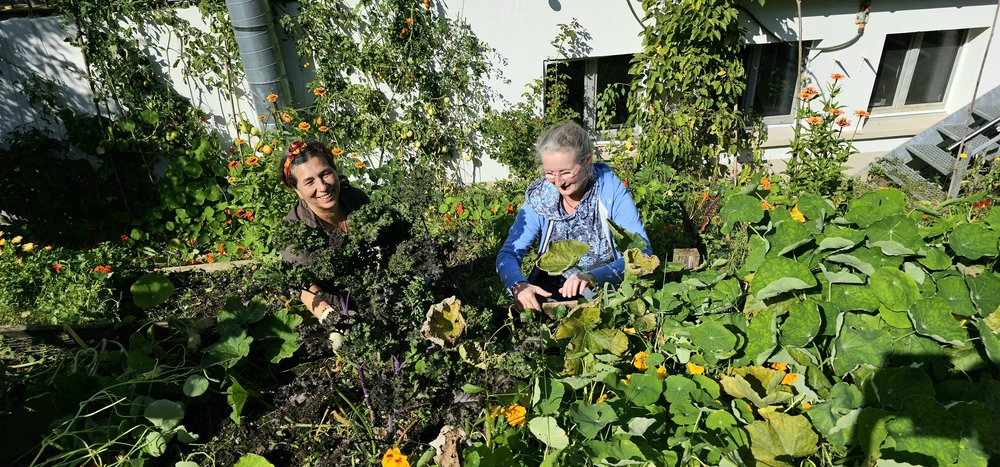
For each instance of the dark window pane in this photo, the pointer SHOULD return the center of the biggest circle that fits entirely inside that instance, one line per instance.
(775, 88)
(938, 50)
(564, 85)
(612, 72)
(890, 69)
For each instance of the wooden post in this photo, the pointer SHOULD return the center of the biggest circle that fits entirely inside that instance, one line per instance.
(689, 257)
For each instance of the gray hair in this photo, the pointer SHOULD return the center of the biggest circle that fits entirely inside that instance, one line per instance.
(570, 137)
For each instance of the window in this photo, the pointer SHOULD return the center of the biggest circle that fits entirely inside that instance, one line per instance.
(771, 85)
(916, 68)
(583, 81)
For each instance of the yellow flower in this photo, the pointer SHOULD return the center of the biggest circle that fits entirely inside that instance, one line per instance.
(304, 126)
(661, 371)
(28, 247)
(3, 241)
(695, 369)
(262, 118)
(602, 398)
(16, 239)
(336, 151)
(721, 73)
(639, 361)
(359, 164)
(323, 128)
(789, 379)
(515, 415)
(780, 366)
(272, 98)
(240, 141)
(806, 406)
(394, 458)
(963, 155)
(305, 65)
(231, 180)
(628, 379)
(496, 410)
(797, 215)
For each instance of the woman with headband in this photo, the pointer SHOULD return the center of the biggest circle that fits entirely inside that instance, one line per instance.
(325, 201)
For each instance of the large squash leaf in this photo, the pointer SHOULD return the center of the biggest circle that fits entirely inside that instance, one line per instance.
(562, 256)
(780, 438)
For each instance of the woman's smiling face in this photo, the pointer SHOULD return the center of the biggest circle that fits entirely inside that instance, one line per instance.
(317, 184)
(561, 169)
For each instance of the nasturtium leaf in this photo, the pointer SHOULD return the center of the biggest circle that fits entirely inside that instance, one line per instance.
(679, 388)
(855, 345)
(253, 460)
(637, 426)
(801, 325)
(719, 419)
(935, 259)
(547, 395)
(984, 290)
(236, 397)
(871, 429)
(978, 445)
(758, 385)
(164, 414)
(195, 385)
(186, 464)
(155, 443)
(151, 290)
(838, 238)
(640, 264)
(924, 428)
(444, 322)
(590, 419)
(840, 277)
(894, 385)
(933, 318)
(896, 319)
(894, 288)
(815, 207)
(895, 235)
(562, 255)
(780, 437)
(709, 387)
(757, 248)
(547, 430)
(990, 341)
(853, 297)
(625, 240)
(778, 275)
(762, 337)
(741, 208)
(915, 271)
(684, 413)
(973, 241)
(956, 293)
(713, 337)
(875, 206)
(853, 260)
(643, 389)
(787, 236)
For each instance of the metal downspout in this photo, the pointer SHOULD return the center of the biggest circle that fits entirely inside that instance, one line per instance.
(258, 44)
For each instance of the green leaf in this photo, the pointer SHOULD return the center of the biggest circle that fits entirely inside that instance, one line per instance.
(164, 414)
(606, 340)
(195, 385)
(151, 290)
(562, 256)
(935, 259)
(547, 395)
(840, 238)
(155, 443)
(895, 235)
(801, 325)
(547, 430)
(591, 419)
(278, 331)
(856, 345)
(984, 290)
(932, 318)
(762, 337)
(956, 293)
(758, 385)
(893, 385)
(875, 206)
(815, 207)
(637, 426)
(778, 275)
(149, 116)
(973, 241)
(228, 351)
(989, 340)
(713, 337)
(643, 389)
(719, 419)
(625, 240)
(757, 248)
(894, 288)
(853, 297)
(186, 464)
(741, 208)
(253, 460)
(236, 397)
(925, 428)
(678, 388)
(781, 437)
(788, 235)
(871, 429)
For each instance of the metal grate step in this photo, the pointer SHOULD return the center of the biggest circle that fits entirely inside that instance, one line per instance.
(934, 156)
(979, 141)
(955, 132)
(987, 112)
(910, 180)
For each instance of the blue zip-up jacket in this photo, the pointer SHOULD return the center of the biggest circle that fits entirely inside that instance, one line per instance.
(616, 204)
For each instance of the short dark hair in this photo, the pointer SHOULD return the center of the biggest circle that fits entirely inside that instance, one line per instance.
(298, 153)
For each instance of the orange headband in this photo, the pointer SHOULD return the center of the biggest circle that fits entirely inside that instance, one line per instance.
(293, 150)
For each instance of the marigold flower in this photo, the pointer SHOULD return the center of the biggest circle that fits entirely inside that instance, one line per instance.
(286, 118)
(233, 164)
(353, 155)
(359, 164)
(394, 458)
(814, 120)
(3, 241)
(28, 247)
(765, 183)
(515, 415)
(704, 196)
(721, 73)
(319, 91)
(222, 248)
(780, 366)
(808, 93)
(402, 32)
(58, 267)
(252, 160)
(459, 208)
(797, 215)
(16, 239)
(336, 151)
(229, 222)
(323, 128)
(835, 112)
(843, 122)
(695, 369)
(837, 76)
(661, 371)
(639, 361)
(231, 180)
(272, 98)
(862, 114)
(249, 216)
(924, 217)
(789, 379)
(304, 126)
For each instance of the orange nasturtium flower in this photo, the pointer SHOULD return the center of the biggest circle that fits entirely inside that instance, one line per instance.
(603, 397)
(124, 237)
(806, 406)
(262, 118)
(394, 458)
(814, 120)
(233, 164)
(319, 91)
(510, 209)
(409, 21)
(515, 414)
(765, 183)
(272, 98)
(304, 126)
(209, 258)
(336, 151)
(695, 369)
(797, 215)
(447, 218)
(231, 180)
(862, 114)
(58, 267)
(459, 208)
(253, 160)
(639, 361)
(402, 32)
(837, 76)
(628, 379)
(661, 371)
(789, 379)
(286, 118)
(780, 366)
(704, 196)
(843, 122)
(765, 206)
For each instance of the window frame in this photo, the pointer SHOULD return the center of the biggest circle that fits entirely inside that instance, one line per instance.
(909, 69)
(590, 92)
(752, 70)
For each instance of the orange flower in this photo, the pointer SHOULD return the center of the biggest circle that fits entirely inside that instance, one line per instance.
(625, 182)
(222, 248)
(319, 120)
(765, 206)
(124, 237)
(252, 160)
(304, 126)
(319, 91)
(639, 361)
(765, 183)
(780, 366)
(806, 406)
(323, 128)
(510, 209)
(837, 76)
(103, 269)
(515, 414)
(447, 219)
(797, 215)
(459, 208)
(58, 267)
(627, 380)
(249, 216)
(924, 217)
(835, 112)
(229, 222)
(862, 114)
(402, 32)
(240, 141)
(704, 196)
(843, 122)
(808, 93)
(661, 372)
(394, 458)
(493, 210)
(240, 213)
(262, 118)
(233, 164)
(231, 180)
(272, 98)
(603, 397)
(427, 5)
(695, 369)
(336, 151)
(409, 21)
(359, 164)
(209, 259)
(286, 118)
(789, 379)
(814, 120)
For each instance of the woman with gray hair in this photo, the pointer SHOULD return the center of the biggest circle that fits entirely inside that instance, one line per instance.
(574, 200)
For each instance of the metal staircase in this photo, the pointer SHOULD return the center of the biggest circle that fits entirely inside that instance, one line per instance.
(923, 166)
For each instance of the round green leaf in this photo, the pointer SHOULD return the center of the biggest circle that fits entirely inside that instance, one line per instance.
(787, 236)
(956, 293)
(778, 275)
(895, 235)
(973, 241)
(894, 288)
(151, 290)
(719, 419)
(253, 460)
(801, 325)
(164, 414)
(741, 208)
(713, 337)
(643, 389)
(932, 318)
(856, 344)
(590, 419)
(875, 206)
(195, 385)
(893, 385)
(547, 430)
(925, 427)
(156, 443)
(984, 290)
(935, 259)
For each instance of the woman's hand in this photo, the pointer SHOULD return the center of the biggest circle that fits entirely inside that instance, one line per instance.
(524, 296)
(575, 285)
